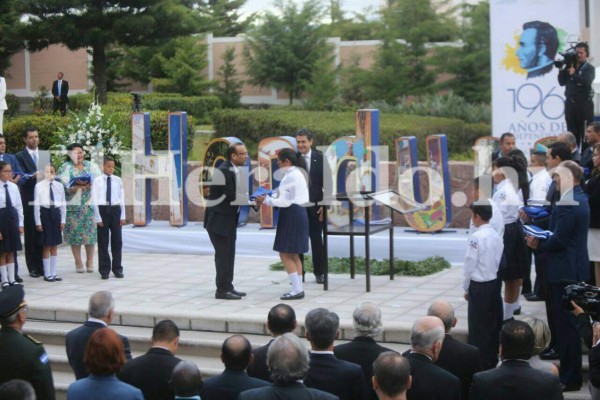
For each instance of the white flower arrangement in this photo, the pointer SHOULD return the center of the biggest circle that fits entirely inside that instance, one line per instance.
(97, 133)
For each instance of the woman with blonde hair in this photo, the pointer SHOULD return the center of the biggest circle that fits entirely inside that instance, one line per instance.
(541, 333)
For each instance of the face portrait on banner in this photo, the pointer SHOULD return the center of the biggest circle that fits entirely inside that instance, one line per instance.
(538, 45)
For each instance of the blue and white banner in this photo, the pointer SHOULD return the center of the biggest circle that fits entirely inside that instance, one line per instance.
(526, 37)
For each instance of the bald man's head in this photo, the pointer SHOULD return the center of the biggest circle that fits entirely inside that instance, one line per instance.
(427, 336)
(186, 379)
(236, 352)
(444, 311)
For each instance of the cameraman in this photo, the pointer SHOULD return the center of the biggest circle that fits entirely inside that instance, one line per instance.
(590, 333)
(577, 75)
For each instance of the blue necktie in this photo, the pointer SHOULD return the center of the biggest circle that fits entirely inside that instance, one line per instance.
(35, 159)
(7, 200)
(51, 196)
(108, 190)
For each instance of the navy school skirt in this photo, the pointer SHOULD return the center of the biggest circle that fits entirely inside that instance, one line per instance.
(291, 235)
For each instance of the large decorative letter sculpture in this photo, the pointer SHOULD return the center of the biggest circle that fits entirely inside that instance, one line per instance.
(148, 165)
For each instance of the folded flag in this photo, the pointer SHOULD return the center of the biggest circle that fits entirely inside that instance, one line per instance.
(23, 175)
(535, 231)
(536, 212)
(86, 178)
(261, 191)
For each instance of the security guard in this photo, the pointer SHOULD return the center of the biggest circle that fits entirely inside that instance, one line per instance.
(22, 357)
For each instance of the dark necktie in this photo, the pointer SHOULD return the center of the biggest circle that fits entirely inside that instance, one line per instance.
(51, 196)
(8, 201)
(108, 190)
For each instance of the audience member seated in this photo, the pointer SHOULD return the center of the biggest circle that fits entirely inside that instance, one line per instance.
(515, 378)
(281, 319)
(363, 350)
(541, 335)
(104, 357)
(186, 381)
(101, 310)
(236, 354)
(391, 377)
(17, 389)
(460, 359)
(151, 372)
(429, 382)
(287, 359)
(326, 372)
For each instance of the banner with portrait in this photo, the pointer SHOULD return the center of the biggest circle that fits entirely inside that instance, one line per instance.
(526, 38)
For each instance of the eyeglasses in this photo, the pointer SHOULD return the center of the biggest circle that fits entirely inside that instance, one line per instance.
(242, 154)
(7, 171)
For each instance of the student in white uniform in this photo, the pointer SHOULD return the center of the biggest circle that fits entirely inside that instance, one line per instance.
(11, 225)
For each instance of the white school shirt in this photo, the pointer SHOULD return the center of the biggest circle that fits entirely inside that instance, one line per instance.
(538, 188)
(117, 194)
(484, 253)
(508, 201)
(293, 189)
(41, 198)
(15, 199)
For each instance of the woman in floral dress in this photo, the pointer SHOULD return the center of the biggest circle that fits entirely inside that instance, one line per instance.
(80, 228)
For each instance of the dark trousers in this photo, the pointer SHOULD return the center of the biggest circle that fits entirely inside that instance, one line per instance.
(33, 251)
(315, 233)
(539, 287)
(527, 286)
(224, 258)
(59, 105)
(567, 339)
(111, 233)
(485, 319)
(578, 115)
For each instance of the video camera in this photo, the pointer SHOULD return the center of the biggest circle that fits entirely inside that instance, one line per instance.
(569, 57)
(584, 295)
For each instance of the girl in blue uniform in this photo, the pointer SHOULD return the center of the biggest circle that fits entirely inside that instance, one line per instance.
(11, 225)
(50, 213)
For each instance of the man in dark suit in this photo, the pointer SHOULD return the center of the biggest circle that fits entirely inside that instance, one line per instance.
(14, 163)
(236, 354)
(281, 319)
(101, 311)
(221, 218)
(60, 93)
(460, 359)
(515, 378)
(508, 141)
(288, 362)
(567, 260)
(32, 160)
(363, 349)
(21, 356)
(592, 137)
(186, 380)
(313, 159)
(151, 372)
(391, 376)
(569, 139)
(429, 382)
(326, 372)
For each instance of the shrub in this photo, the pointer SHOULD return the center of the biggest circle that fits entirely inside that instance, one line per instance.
(199, 107)
(81, 102)
(13, 103)
(42, 102)
(47, 125)
(253, 125)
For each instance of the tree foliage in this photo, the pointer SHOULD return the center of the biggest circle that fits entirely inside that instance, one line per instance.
(282, 51)
(229, 88)
(223, 19)
(99, 24)
(471, 64)
(10, 42)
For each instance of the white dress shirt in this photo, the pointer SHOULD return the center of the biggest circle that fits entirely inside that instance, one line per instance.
(117, 194)
(508, 201)
(539, 186)
(293, 189)
(307, 159)
(15, 198)
(41, 198)
(484, 253)
(35, 156)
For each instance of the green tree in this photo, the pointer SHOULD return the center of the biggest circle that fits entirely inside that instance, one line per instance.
(223, 18)
(354, 83)
(229, 88)
(323, 90)
(470, 65)
(283, 51)
(10, 42)
(98, 24)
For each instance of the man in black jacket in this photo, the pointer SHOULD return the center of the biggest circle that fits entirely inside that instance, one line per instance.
(363, 349)
(151, 372)
(60, 94)
(460, 359)
(221, 218)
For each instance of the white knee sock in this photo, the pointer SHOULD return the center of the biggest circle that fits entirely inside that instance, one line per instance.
(53, 265)
(10, 269)
(508, 310)
(47, 272)
(3, 274)
(518, 303)
(296, 282)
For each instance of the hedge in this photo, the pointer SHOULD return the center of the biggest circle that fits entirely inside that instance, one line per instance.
(199, 107)
(13, 103)
(252, 125)
(48, 127)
